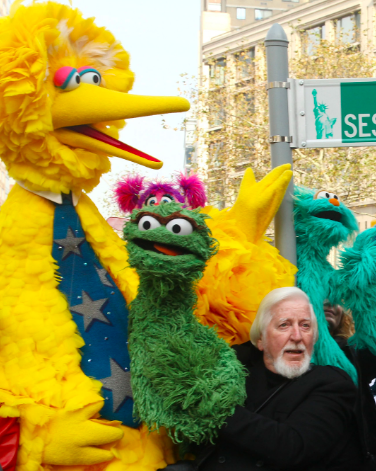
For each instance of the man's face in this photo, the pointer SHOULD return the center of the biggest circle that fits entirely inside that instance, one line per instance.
(333, 315)
(288, 340)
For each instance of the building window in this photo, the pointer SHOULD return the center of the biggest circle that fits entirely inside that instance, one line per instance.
(214, 5)
(291, 1)
(313, 38)
(240, 13)
(218, 73)
(189, 151)
(245, 105)
(262, 14)
(217, 114)
(348, 28)
(245, 63)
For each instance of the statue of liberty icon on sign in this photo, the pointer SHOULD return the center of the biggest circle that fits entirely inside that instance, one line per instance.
(324, 124)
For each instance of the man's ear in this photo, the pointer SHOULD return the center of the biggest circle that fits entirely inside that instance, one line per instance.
(260, 344)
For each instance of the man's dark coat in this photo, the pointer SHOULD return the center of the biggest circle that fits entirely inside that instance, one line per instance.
(309, 425)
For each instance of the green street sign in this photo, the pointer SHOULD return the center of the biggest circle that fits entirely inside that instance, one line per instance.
(332, 112)
(358, 111)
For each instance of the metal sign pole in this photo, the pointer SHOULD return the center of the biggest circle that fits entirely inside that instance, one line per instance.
(277, 66)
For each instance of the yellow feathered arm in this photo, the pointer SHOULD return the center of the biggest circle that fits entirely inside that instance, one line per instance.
(246, 266)
(257, 203)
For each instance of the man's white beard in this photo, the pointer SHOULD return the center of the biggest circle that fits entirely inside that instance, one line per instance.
(292, 371)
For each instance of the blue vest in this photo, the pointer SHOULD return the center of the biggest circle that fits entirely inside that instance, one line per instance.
(99, 310)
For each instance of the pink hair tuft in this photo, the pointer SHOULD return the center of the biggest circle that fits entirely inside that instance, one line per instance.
(193, 189)
(127, 192)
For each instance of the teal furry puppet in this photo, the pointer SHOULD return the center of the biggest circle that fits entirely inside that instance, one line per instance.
(355, 288)
(183, 376)
(321, 222)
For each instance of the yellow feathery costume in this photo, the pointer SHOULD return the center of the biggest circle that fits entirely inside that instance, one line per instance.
(246, 266)
(40, 376)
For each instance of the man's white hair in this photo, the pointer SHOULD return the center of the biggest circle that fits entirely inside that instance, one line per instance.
(264, 313)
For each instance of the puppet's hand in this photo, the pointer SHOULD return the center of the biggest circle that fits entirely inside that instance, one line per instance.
(75, 438)
(354, 286)
(257, 203)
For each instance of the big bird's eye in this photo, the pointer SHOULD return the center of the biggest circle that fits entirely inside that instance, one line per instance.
(146, 223)
(151, 201)
(167, 199)
(89, 75)
(180, 227)
(67, 78)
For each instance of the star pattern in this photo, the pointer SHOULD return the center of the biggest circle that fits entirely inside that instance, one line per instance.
(91, 310)
(102, 276)
(71, 244)
(119, 383)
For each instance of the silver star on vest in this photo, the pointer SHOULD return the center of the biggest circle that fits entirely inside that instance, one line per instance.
(102, 276)
(90, 310)
(119, 383)
(70, 243)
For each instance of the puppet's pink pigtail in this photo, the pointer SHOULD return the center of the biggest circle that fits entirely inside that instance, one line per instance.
(127, 192)
(193, 190)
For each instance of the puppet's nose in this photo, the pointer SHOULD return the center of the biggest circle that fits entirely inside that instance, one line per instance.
(334, 202)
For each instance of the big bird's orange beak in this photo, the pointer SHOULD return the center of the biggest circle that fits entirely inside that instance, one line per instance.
(73, 112)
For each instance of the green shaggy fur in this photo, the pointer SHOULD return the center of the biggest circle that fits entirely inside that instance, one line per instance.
(183, 376)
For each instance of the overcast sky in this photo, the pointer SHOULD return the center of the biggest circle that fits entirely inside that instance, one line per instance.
(162, 39)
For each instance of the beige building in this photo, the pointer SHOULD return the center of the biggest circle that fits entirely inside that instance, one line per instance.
(233, 29)
(222, 33)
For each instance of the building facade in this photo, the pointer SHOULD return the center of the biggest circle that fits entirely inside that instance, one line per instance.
(233, 31)
(320, 18)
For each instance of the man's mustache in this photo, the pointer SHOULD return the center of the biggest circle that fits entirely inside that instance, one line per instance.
(294, 346)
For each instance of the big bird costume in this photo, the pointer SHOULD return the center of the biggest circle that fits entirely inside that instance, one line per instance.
(63, 271)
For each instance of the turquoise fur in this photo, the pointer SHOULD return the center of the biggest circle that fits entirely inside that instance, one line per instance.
(315, 237)
(355, 288)
(184, 377)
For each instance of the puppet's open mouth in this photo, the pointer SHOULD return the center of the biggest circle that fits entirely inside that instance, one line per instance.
(164, 249)
(102, 137)
(332, 215)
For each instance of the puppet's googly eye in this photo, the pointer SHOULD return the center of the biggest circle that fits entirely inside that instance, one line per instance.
(89, 75)
(323, 195)
(335, 197)
(179, 227)
(167, 199)
(67, 78)
(152, 201)
(146, 223)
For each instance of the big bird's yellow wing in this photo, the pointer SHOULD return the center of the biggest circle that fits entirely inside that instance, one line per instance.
(246, 266)
(257, 203)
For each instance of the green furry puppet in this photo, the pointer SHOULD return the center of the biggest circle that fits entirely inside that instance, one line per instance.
(183, 376)
(322, 222)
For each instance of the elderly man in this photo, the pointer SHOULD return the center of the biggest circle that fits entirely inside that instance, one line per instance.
(297, 416)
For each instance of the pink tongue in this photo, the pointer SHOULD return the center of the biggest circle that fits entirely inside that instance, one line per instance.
(100, 136)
